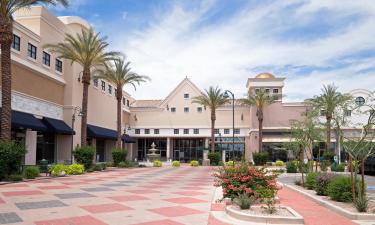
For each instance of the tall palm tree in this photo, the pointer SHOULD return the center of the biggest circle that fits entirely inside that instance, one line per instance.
(260, 99)
(327, 102)
(119, 74)
(7, 8)
(87, 49)
(212, 98)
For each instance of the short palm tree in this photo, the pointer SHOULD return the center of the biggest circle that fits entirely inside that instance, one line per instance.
(87, 49)
(119, 74)
(260, 99)
(213, 98)
(327, 103)
(7, 8)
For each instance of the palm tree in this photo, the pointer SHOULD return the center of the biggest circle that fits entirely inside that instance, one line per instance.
(260, 99)
(87, 49)
(120, 74)
(7, 8)
(213, 98)
(327, 103)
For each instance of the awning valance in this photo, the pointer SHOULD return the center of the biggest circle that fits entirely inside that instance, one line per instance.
(57, 126)
(21, 120)
(101, 132)
(127, 139)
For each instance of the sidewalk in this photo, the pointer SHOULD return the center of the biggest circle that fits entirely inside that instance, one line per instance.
(313, 213)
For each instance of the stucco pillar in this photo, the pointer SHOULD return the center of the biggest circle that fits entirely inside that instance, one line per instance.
(168, 148)
(223, 156)
(30, 142)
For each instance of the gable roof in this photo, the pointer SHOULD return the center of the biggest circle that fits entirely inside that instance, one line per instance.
(179, 86)
(146, 103)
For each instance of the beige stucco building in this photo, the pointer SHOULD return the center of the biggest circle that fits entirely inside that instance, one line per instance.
(47, 94)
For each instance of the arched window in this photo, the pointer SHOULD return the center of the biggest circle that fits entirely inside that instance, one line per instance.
(360, 101)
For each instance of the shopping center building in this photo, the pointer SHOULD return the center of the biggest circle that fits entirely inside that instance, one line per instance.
(47, 93)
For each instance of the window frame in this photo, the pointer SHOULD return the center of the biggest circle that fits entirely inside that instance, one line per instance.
(58, 68)
(44, 59)
(199, 109)
(103, 85)
(226, 131)
(186, 109)
(137, 131)
(96, 82)
(195, 131)
(147, 131)
(186, 131)
(176, 131)
(156, 131)
(186, 95)
(16, 45)
(173, 109)
(32, 51)
(109, 89)
(237, 131)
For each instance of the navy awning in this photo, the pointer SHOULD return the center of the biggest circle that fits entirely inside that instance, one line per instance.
(127, 139)
(101, 132)
(57, 126)
(21, 120)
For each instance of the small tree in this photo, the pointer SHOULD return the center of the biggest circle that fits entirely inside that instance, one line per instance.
(361, 147)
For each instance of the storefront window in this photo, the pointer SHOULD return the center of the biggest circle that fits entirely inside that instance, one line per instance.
(144, 144)
(45, 147)
(186, 150)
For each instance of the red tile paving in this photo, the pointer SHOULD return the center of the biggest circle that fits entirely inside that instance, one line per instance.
(14, 185)
(213, 221)
(21, 193)
(53, 187)
(105, 208)
(175, 211)
(160, 222)
(184, 200)
(2, 201)
(125, 198)
(189, 193)
(81, 220)
(312, 213)
(142, 191)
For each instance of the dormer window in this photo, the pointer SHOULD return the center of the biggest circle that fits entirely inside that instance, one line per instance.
(359, 101)
(186, 96)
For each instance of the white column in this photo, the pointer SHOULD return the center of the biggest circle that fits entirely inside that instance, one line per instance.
(30, 142)
(223, 156)
(168, 148)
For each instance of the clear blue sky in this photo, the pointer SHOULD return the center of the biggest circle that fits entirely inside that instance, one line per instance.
(223, 42)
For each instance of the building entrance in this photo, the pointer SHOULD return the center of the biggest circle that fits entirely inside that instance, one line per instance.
(186, 150)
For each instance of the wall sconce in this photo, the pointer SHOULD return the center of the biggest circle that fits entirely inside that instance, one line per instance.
(135, 117)
(242, 116)
(167, 107)
(79, 76)
(204, 108)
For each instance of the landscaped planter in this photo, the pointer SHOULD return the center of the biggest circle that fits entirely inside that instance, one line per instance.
(284, 215)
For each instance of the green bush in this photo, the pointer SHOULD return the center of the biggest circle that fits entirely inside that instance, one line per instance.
(194, 163)
(322, 181)
(119, 155)
(260, 158)
(221, 163)
(158, 163)
(31, 172)
(310, 181)
(97, 167)
(15, 177)
(244, 201)
(279, 163)
(324, 165)
(75, 169)
(59, 170)
(291, 167)
(109, 164)
(84, 155)
(11, 155)
(230, 163)
(340, 189)
(104, 165)
(339, 167)
(176, 163)
(329, 156)
(361, 203)
(214, 158)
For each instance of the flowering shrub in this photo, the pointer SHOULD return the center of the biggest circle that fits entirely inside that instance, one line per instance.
(243, 178)
(322, 181)
(176, 163)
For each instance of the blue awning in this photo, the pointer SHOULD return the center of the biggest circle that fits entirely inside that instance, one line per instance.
(21, 120)
(127, 139)
(101, 132)
(57, 126)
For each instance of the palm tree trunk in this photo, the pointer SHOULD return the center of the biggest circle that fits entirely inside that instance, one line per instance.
(213, 118)
(6, 79)
(328, 143)
(260, 128)
(119, 99)
(85, 97)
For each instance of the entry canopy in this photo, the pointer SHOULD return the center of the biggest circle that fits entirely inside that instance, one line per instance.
(127, 139)
(101, 132)
(21, 120)
(57, 126)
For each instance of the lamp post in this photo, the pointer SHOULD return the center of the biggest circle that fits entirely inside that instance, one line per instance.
(80, 113)
(226, 95)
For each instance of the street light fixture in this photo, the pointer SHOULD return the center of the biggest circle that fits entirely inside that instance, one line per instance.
(226, 95)
(80, 114)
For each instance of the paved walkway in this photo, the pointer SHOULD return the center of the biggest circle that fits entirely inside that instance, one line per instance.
(143, 196)
(313, 213)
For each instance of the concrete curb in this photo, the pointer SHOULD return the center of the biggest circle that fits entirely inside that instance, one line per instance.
(335, 208)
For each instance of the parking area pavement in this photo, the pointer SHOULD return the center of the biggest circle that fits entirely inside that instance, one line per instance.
(143, 196)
